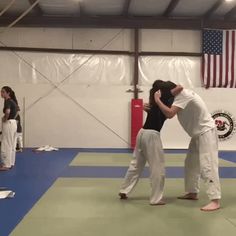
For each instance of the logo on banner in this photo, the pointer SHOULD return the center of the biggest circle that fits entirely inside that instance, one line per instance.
(225, 123)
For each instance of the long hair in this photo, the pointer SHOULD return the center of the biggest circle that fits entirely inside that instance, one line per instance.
(11, 93)
(165, 87)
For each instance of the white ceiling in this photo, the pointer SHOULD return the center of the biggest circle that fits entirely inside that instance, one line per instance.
(148, 8)
(185, 8)
(191, 8)
(59, 7)
(103, 7)
(17, 7)
(224, 8)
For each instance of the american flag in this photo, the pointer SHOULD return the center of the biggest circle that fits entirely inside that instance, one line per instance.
(219, 62)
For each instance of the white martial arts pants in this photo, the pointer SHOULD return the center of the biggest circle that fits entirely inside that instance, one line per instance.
(8, 144)
(202, 161)
(19, 140)
(148, 148)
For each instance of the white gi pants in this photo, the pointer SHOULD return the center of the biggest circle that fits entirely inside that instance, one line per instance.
(19, 140)
(148, 148)
(8, 144)
(202, 161)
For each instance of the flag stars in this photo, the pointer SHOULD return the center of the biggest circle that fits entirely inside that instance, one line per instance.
(212, 41)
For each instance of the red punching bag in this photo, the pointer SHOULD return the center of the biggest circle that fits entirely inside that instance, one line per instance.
(136, 119)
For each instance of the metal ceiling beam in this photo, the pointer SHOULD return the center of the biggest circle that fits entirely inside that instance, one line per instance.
(119, 22)
(230, 14)
(214, 7)
(172, 5)
(81, 9)
(219, 24)
(106, 52)
(176, 54)
(126, 7)
(37, 8)
(65, 51)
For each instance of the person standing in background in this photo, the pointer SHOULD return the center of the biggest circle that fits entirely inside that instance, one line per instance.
(9, 127)
(19, 139)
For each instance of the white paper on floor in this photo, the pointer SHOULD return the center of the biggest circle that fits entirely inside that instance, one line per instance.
(7, 194)
(46, 148)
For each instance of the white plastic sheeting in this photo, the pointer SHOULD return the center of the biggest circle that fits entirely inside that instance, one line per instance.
(181, 70)
(29, 67)
(66, 68)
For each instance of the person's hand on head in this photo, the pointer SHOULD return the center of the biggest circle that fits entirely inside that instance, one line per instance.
(157, 94)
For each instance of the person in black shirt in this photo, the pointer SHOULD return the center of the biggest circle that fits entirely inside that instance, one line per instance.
(149, 148)
(19, 140)
(9, 126)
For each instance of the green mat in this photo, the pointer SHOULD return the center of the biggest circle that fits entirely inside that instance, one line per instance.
(120, 159)
(90, 207)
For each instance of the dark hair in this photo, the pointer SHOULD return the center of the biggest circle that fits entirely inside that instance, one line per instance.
(11, 93)
(158, 84)
(165, 87)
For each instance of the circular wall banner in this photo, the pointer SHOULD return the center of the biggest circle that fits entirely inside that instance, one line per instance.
(225, 123)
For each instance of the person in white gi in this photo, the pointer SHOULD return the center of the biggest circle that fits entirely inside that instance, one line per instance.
(9, 126)
(149, 149)
(202, 156)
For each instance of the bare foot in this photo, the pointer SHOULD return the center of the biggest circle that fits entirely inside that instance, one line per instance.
(160, 203)
(212, 206)
(189, 196)
(123, 196)
(3, 168)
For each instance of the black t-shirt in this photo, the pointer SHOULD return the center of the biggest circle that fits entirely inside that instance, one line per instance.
(10, 104)
(155, 118)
